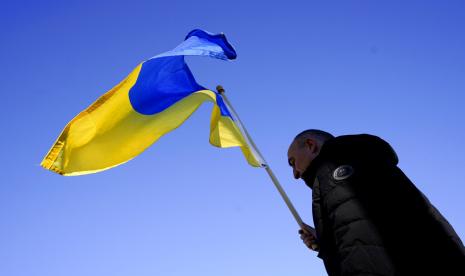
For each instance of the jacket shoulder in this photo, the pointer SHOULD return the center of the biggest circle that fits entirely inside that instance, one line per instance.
(363, 147)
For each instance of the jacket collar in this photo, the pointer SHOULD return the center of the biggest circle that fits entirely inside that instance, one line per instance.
(310, 173)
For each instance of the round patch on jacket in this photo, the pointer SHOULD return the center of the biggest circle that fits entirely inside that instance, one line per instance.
(343, 172)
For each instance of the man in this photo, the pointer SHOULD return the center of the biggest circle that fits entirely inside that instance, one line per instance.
(369, 218)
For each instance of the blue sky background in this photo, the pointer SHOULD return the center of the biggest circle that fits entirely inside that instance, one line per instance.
(391, 68)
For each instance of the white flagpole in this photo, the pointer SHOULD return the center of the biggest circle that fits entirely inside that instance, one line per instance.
(255, 150)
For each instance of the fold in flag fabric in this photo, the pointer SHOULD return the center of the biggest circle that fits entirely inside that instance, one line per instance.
(156, 97)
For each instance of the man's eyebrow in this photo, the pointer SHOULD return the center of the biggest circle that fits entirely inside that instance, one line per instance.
(290, 161)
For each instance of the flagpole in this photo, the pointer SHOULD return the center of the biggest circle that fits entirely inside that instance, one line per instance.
(275, 181)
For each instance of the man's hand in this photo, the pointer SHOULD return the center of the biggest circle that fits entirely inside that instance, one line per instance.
(308, 236)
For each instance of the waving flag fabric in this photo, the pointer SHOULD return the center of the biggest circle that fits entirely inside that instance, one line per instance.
(156, 97)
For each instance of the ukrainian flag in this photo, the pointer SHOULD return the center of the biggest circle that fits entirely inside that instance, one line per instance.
(156, 97)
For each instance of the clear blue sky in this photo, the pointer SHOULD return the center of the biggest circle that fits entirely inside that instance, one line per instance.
(391, 68)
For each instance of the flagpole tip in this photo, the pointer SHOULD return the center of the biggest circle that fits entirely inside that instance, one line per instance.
(220, 89)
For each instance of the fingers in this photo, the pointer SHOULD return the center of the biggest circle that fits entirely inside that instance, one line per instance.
(304, 234)
(310, 243)
(307, 229)
(308, 238)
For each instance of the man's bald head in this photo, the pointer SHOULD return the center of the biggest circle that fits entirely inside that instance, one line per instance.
(304, 148)
(319, 135)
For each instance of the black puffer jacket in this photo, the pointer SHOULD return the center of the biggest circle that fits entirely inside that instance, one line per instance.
(371, 219)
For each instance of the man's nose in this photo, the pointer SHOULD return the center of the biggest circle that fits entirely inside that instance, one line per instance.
(296, 174)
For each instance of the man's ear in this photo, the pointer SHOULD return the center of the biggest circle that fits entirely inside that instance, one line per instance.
(312, 145)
